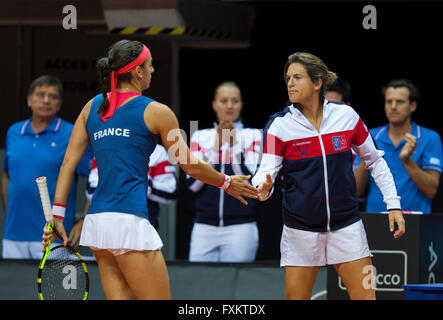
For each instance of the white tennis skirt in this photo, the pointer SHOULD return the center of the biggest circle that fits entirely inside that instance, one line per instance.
(119, 233)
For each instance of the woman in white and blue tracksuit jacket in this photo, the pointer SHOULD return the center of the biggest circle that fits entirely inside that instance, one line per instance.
(225, 230)
(310, 142)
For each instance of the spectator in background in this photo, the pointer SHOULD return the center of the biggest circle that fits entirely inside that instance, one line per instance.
(35, 147)
(413, 153)
(162, 183)
(224, 229)
(338, 91)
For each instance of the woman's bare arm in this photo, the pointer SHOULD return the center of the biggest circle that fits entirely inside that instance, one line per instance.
(160, 119)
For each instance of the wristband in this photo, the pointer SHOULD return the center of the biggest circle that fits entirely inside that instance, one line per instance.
(226, 182)
(58, 211)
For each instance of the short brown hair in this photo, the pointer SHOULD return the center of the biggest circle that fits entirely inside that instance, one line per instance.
(315, 67)
(46, 80)
(414, 93)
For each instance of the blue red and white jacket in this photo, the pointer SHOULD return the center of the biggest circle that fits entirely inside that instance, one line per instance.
(213, 206)
(319, 189)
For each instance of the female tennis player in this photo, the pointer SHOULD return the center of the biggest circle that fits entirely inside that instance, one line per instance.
(310, 143)
(123, 127)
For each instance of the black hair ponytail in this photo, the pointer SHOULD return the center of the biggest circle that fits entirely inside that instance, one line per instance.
(119, 55)
(104, 75)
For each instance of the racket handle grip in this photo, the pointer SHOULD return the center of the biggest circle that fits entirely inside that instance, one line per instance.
(44, 197)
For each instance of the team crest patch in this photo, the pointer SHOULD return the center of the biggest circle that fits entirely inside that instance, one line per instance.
(302, 147)
(340, 143)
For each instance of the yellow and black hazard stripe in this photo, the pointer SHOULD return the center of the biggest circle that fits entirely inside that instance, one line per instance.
(199, 32)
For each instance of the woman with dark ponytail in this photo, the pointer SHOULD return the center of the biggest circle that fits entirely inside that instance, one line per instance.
(123, 127)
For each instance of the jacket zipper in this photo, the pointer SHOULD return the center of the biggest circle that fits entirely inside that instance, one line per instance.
(325, 170)
(222, 196)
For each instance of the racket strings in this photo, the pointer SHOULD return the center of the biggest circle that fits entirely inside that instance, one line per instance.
(63, 276)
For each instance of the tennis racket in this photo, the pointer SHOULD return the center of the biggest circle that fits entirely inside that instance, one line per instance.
(62, 273)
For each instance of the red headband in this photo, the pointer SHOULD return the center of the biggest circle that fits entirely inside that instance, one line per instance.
(129, 67)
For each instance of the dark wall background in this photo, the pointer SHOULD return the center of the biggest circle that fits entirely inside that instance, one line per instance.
(69, 55)
(405, 44)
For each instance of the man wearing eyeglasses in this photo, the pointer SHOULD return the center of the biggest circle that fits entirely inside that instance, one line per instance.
(35, 147)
